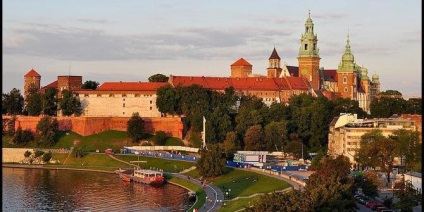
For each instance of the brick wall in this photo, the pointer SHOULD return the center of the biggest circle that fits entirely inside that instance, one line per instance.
(84, 126)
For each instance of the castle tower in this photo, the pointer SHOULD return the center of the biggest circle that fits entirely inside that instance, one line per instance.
(375, 86)
(31, 79)
(274, 62)
(308, 57)
(347, 74)
(365, 85)
(241, 69)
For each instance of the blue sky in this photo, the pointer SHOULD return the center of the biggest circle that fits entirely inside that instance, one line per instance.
(131, 40)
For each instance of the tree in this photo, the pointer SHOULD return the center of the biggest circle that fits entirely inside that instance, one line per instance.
(78, 153)
(377, 150)
(218, 124)
(160, 138)
(70, 104)
(168, 100)
(409, 147)
(47, 156)
(135, 127)
(27, 153)
(211, 162)
(158, 78)
(275, 135)
(295, 148)
(253, 138)
(330, 187)
(290, 202)
(90, 85)
(368, 183)
(49, 102)
(407, 195)
(47, 130)
(229, 146)
(22, 136)
(12, 102)
(34, 105)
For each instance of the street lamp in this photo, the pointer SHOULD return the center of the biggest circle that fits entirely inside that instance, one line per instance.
(229, 190)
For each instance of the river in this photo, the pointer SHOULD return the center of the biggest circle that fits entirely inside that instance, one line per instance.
(67, 190)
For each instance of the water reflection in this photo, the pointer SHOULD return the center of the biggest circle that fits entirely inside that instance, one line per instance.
(65, 190)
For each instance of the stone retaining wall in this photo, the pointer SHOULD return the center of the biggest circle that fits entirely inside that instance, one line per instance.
(14, 155)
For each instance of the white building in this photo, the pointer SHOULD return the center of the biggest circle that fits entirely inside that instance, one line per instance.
(416, 180)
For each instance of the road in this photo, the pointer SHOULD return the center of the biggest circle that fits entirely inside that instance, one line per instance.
(214, 199)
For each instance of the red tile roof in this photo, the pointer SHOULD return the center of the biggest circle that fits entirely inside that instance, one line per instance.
(131, 86)
(51, 85)
(330, 75)
(249, 83)
(32, 73)
(241, 62)
(297, 83)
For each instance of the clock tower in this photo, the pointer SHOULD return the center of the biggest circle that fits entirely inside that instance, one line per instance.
(308, 57)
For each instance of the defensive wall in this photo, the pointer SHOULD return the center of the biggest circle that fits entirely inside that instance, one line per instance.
(172, 126)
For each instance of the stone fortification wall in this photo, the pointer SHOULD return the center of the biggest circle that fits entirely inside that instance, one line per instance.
(14, 155)
(84, 126)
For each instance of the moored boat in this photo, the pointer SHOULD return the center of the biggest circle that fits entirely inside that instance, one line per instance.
(148, 176)
(126, 175)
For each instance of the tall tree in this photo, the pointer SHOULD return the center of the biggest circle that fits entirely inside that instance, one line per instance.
(407, 195)
(13, 102)
(211, 162)
(135, 127)
(230, 145)
(377, 150)
(90, 85)
(158, 78)
(34, 105)
(49, 102)
(47, 130)
(218, 124)
(275, 136)
(253, 138)
(168, 100)
(409, 147)
(69, 104)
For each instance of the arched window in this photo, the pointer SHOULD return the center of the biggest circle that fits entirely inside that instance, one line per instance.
(345, 89)
(344, 80)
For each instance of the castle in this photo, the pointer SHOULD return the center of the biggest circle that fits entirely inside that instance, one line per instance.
(122, 99)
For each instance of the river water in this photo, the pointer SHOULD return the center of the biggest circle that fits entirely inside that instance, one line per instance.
(67, 190)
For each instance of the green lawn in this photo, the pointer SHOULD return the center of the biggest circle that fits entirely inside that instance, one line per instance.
(90, 161)
(238, 204)
(166, 165)
(245, 183)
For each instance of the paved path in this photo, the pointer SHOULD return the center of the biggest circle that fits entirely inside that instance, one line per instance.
(215, 197)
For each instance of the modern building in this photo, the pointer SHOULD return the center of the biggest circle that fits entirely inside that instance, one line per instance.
(344, 137)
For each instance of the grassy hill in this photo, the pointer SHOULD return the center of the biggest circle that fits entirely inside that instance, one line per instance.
(108, 139)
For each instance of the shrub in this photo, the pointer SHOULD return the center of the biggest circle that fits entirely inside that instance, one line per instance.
(27, 153)
(160, 138)
(47, 156)
(38, 153)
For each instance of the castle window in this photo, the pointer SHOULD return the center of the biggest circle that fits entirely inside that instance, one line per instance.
(99, 95)
(124, 95)
(306, 46)
(150, 108)
(123, 99)
(315, 46)
(137, 95)
(345, 89)
(123, 105)
(85, 95)
(150, 101)
(344, 80)
(110, 95)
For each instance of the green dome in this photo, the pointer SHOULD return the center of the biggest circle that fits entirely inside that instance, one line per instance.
(375, 77)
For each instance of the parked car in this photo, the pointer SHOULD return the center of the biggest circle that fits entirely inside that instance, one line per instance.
(372, 203)
(109, 151)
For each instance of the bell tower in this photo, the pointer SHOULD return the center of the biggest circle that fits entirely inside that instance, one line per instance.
(31, 79)
(274, 65)
(308, 57)
(347, 74)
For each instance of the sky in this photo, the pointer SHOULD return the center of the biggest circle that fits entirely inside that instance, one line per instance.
(110, 41)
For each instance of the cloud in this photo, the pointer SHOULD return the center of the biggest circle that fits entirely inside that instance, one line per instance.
(94, 20)
(76, 43)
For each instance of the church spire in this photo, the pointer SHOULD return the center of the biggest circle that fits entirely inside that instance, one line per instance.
(309, 40)
(348, 60)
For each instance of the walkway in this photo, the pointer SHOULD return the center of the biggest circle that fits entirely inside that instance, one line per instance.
(215, 197)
